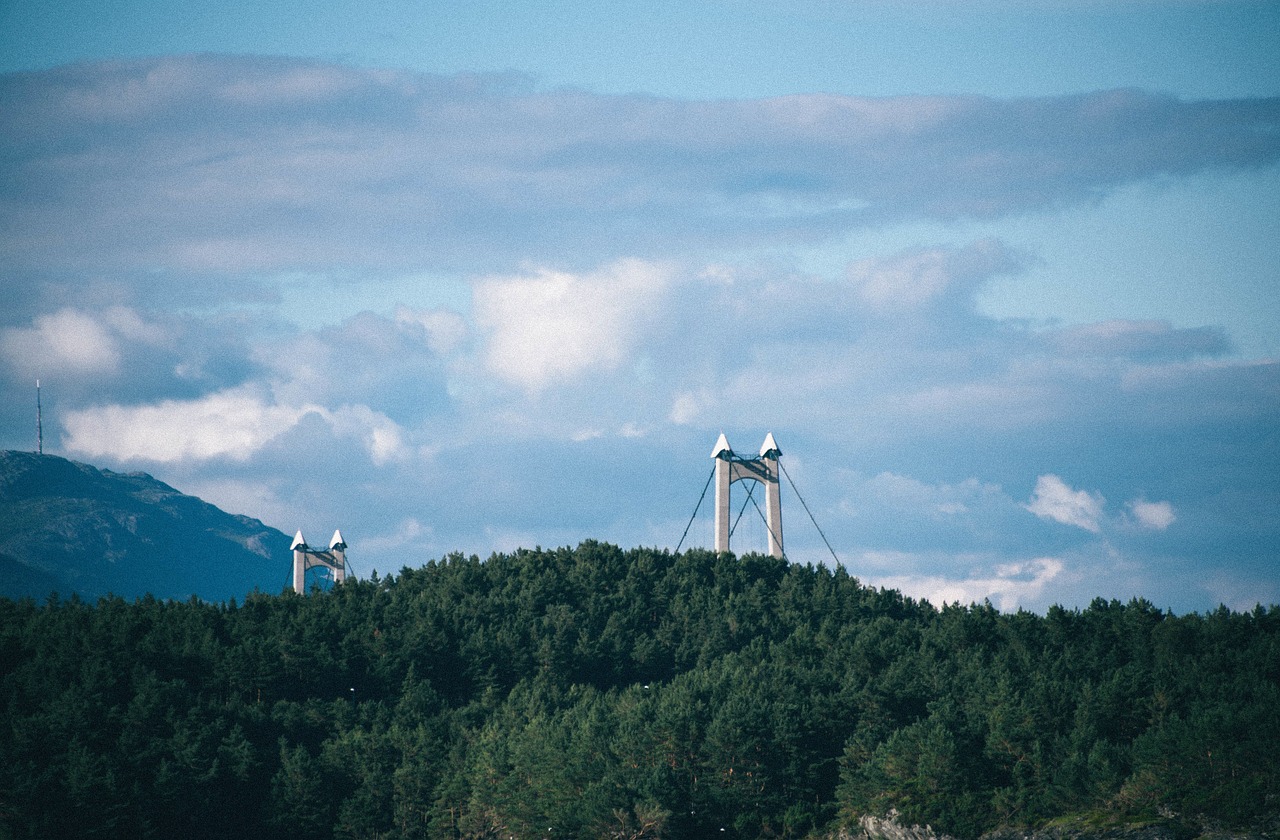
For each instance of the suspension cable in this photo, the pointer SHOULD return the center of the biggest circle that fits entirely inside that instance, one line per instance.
(764, 520)
(696, 508)
(743, 509)
(806, 510)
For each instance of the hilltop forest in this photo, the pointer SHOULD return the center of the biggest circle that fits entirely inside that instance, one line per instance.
(595, 692)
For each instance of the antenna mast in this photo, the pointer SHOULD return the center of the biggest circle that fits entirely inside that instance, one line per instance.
(39, 426)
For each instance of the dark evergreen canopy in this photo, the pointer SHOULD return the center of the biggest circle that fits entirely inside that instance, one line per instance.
(593, 692)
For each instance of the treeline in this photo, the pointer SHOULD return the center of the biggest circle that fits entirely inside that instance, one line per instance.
(593, 692)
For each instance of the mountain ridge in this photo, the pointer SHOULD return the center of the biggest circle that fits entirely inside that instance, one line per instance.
(74, 528)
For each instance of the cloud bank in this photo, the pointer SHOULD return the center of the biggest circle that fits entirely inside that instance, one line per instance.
(212, 164)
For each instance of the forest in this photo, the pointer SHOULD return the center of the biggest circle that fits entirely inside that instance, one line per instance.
(597, 692)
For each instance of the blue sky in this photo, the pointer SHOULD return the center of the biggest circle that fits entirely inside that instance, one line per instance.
(710, 49)
(999, 276)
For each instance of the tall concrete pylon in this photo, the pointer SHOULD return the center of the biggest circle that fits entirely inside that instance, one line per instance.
(764, 469)
(305, 557)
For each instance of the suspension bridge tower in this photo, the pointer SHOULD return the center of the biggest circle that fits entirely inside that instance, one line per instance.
(305, 557)
(731, 467)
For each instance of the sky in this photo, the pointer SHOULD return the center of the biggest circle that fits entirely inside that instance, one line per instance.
(1000, 276)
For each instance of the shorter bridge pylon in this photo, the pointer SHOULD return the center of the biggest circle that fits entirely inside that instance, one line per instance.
(305, 557)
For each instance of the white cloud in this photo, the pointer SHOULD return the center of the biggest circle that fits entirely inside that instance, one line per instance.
(1053, 499)
(64, 342)
(1155, 516)
(233, 424)
(382, 438)
(1008, 585)
(632, 430)
(554, 326)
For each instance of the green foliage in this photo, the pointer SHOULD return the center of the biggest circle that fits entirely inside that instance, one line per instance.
(593, 692)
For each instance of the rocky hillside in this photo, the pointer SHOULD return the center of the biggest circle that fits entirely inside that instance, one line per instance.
(73, 528)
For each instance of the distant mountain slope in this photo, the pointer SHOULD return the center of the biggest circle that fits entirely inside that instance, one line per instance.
(78, 529)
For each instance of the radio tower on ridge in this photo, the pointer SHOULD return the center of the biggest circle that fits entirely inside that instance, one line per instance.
(39, 426)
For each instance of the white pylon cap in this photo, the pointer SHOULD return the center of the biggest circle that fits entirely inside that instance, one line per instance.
(337, 541)
(769, 445)
(298, 541)
(722, 446)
